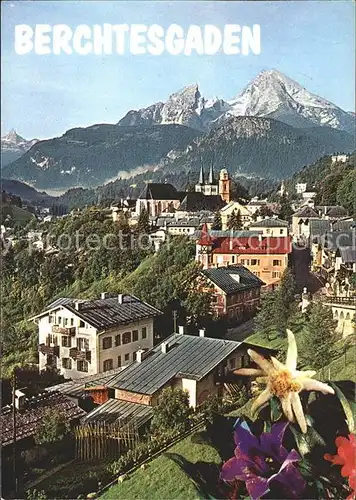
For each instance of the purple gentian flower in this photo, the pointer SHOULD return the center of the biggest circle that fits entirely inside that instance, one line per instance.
(260, 460)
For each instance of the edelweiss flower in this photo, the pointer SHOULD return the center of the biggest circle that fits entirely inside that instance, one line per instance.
(284, 381)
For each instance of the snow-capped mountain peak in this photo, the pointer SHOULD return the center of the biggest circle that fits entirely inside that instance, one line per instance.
(271, 94)
(13, 146)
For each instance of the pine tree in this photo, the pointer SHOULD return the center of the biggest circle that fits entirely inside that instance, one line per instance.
(318, 343)
(235, 221)
(285, 211)
(143, 223)
(284, 298)
(265, 319)
(217, 223)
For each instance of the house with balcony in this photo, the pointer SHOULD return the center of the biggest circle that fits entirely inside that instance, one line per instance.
(86, 337)
(236, 292)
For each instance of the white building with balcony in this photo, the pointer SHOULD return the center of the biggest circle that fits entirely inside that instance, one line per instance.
(80, 337)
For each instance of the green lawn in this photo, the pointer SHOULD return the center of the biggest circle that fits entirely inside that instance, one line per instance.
(165, 476)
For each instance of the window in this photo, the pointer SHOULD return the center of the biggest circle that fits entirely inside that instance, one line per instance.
(242, 262)
(256, 273)
(277, 262)
(281, 231)
(59, 320)
(81, 324)
(118, 361)
(276, 274)
(82, 343)
(126, 337)
(134, 335)
(50, 319)
(117, 340)
(65, 321)
(52, 339)
(107, 342)
(268, 231)
(82, 366)
(108, 365)
(71, 321)
(233, 259)
(66, 341)
(67, 363)
(144, 332)
(255, 262)
(127, 357)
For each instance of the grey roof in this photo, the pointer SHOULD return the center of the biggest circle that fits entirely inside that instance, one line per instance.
(192, 222)
(337, 239)
(319, 227)
(343, 224)
(270, 222)
(228, 234)
(336, 211)
(306, 212)
(157, 191)
(223, 277)
(187, 357)
(194, 202)
(76, 388)
(119, 411)
(106, 313)
(348, 254)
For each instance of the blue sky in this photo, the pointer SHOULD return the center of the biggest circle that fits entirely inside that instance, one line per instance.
(43, 96)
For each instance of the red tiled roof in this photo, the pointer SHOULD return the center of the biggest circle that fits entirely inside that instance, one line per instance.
(253, 245)
(205, 238)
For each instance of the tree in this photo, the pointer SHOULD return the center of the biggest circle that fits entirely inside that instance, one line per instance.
(143, 223)
(284, 298)
(53, 427)
(217, 224)
(285, 211)
(172, 412)
(318, 343)
(265, 319)
(264, 211)
(235, 221)
(238, 191)
(346, 192)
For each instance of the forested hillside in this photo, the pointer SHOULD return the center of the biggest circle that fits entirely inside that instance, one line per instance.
(79, 268)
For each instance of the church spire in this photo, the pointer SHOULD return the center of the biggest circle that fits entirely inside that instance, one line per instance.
(201, 175)
(211, 179)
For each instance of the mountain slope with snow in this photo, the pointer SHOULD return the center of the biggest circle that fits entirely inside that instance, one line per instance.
(270, 95)
(13, 146)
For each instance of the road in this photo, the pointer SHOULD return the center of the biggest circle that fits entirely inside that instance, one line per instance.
(241, 332)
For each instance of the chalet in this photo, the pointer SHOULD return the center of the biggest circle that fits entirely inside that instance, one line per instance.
(197, 364)
(236, 291)
(265, 256)
(92, 336)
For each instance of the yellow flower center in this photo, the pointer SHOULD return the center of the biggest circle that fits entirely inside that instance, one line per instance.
(282, 383)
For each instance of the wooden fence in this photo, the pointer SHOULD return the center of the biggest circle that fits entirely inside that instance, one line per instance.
(95, 441)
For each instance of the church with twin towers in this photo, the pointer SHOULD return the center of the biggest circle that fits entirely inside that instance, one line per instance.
(210, 186)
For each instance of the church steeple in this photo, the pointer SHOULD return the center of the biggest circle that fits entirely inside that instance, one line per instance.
(201, 175)
(211, 179)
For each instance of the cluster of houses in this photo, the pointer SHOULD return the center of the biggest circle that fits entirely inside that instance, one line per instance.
(106, 347)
